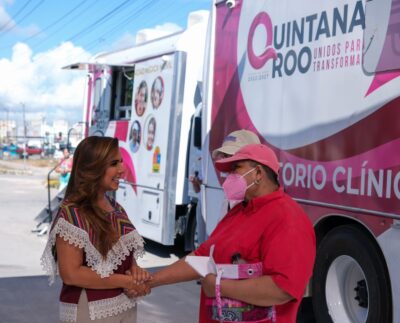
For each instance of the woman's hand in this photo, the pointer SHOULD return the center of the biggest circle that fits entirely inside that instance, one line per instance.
(137, 290)
(208, 284)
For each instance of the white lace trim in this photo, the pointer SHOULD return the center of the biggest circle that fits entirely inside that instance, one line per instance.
(98, 309)
(80, 238)
(110, 306)
(68, 312)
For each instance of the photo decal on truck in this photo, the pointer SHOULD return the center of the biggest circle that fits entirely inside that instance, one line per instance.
(157, 92)
(135, 136)
(150, 132)
(141, 97)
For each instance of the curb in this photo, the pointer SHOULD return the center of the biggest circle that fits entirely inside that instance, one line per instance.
(15, 171)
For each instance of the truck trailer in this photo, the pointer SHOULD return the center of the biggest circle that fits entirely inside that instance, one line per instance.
(318, 82)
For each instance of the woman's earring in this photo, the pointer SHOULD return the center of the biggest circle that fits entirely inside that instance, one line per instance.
(257, 181)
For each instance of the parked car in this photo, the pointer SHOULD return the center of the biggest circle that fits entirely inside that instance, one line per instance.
(29, 151)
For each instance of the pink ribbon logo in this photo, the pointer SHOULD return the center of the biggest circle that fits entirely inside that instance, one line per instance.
(269, 53)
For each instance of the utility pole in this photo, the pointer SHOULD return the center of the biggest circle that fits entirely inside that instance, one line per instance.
(7, 126)
(23, 120)
(24, 125)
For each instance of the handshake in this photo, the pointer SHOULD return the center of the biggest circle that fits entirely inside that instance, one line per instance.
(138, 283)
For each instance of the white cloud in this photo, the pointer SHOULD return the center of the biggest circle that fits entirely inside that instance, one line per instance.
(129, 40)
(39, 82)
(156, 32)
(126, 40)
(5, 19)
(8, 25)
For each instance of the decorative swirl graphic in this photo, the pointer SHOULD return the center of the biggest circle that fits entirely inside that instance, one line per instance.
(259, 61)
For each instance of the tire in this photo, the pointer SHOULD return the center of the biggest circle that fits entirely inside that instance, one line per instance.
(193, 236)
(350, 281)
(191, 240)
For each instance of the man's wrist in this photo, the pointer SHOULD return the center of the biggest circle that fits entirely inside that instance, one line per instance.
(154, 281)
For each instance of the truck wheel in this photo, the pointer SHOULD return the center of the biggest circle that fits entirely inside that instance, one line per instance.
(191, 240)
(350, 281)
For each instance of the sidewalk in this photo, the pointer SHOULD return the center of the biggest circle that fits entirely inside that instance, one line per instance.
(13, 167)
(23, 196)
(27, 167)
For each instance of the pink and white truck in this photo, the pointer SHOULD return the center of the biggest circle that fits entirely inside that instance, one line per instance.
(319, 82)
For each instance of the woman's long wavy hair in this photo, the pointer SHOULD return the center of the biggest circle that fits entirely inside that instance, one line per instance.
(91, 159)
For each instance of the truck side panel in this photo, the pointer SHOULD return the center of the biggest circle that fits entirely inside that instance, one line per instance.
(294, 73)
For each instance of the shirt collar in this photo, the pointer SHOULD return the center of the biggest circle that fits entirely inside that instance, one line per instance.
(257, 202)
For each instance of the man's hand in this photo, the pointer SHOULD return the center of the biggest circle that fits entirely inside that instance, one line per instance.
(196, 182)
(138, 290)
(208, 284)
(139, 279)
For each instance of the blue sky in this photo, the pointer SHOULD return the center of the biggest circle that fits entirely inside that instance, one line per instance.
(91, 24)
(38, 37)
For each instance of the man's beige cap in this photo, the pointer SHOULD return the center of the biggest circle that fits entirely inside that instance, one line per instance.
(258, 153)
(236, 140)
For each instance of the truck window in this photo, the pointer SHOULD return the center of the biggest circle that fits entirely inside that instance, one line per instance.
(122, 93)
(97, 95)
(197, 132)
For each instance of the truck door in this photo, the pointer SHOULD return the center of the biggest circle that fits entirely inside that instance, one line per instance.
(151, 147)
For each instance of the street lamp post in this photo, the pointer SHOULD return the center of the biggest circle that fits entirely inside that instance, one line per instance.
(24, 125)
(70, 130)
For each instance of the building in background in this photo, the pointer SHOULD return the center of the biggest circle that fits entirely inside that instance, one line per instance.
(7, 130)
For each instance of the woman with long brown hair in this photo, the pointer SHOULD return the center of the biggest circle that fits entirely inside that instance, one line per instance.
(93, 243)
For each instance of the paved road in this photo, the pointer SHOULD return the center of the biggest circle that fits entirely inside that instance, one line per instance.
(24, 293)
(23, 195)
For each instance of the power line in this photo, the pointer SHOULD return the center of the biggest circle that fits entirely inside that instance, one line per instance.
(2, 27)
(98, 21)
(23, 18)
(166, 9)
(50, 25)
(57, 21)
(120, 15)
(137, 11)
(84, 10)
(67, 23)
